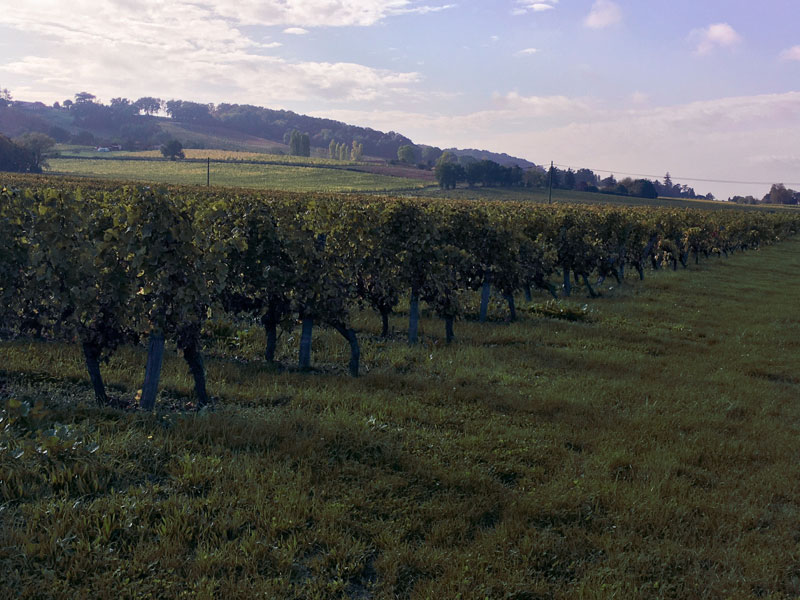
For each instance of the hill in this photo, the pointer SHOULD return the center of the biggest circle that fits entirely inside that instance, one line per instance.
(140, 125)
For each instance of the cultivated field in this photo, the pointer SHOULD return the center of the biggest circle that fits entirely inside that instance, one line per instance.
(647, 448)
(246, 175)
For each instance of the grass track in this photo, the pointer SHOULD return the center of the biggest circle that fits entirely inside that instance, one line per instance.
(648, 452)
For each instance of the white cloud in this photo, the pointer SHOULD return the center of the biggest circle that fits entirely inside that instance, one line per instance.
(604, 13)
(718, 35)
(527, 52)
(295, 31)
(180, 49)
(525, 6)
(639, 98)
(792, 53)
(320, 13)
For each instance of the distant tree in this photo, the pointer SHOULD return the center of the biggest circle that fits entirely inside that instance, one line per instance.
(448, 172)
(15, 158)
(609, 182)
(643, 188)
(181, 110)
(84, 98)
(148, 105)
(333, 150)
(568, 183)
(299, 144)
(779, 194)
(586, 176)
(67, 103)
(357, 151)
(668, 181)
(430, 154)
(172, 150)
(5, 97)
(294, 143)
(407, 154)
(342, 151)
(38, 144)
(535, 177)
(473, 173)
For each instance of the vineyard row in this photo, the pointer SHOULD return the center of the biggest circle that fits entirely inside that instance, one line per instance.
(114, 266)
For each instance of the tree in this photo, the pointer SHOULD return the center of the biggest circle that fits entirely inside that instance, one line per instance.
(84, 98)
(67, 103)
(448, 172)
(5, 97)
(333, 150)
(173, 150)
(37, 144)
(407, 154)
(305, 145)
(15, 158)
(569, 180)
(357, 151)
(778, 194)
(148, 105)
(188, 111)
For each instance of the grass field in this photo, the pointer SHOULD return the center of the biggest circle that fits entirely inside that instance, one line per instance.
(203, 154)
(648, 450)
(262, 176)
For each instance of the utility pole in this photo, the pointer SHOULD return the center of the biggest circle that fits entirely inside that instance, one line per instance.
(550, 199)
(208, 172)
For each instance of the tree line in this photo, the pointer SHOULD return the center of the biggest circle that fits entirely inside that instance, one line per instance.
(778, 194)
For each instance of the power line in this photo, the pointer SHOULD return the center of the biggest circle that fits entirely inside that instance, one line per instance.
(676, 177)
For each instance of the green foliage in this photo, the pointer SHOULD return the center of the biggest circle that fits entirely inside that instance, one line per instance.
(172, 150)
(38, 145)
(407, 154)
(299, 144)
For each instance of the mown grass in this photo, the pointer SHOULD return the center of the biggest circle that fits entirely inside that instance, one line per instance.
(246, 175)
(646, 449)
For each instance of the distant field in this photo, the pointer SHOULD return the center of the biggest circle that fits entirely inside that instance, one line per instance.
(266, 176)
(202, 154)
(570, 196)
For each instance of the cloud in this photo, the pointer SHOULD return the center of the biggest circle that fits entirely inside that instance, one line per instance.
(792, 53)
(295, 31)
(180, 49)
(527, 52)
(749, 138)
(718, 35)
(320, 13)
(526, 6)
(604, 13)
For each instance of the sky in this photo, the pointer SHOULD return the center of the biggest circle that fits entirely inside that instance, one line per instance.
(705, 90)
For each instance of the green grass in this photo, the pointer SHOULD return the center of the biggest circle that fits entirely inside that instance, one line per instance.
(647, 449)
(260, 176)
(202, 154)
